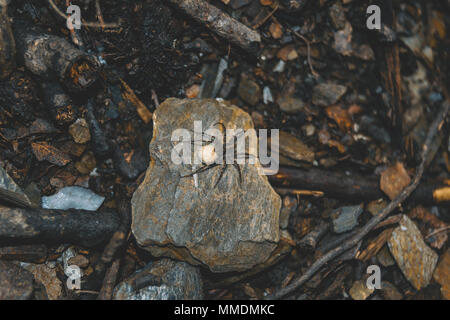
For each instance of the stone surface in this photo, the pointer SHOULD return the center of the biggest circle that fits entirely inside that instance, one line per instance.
(86, 164)
(393, 180)
(416, 260)
(16, 283)
(249, 91)
(346, 218)
(360, 291)
(290, 104)
(79, 260)
(390, 292)
(294, 149)
(343, 40)
(442, 274)
(79, 130)
(73, 198)
(11, 192)
(162, 280)
(231, 227)
(326, 94)
(46, 276)
(385, 258)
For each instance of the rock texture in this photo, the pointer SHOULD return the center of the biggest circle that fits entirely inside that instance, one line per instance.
(346, 218)
(46, 276)
(442, 274)
(11, 192)
(326, 94)
(231, 227)
(295, 149)
(162, 280)
(360, 291)
(416, 260)
(16, 283)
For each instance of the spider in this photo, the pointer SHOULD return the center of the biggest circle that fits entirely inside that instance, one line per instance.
(223, 165)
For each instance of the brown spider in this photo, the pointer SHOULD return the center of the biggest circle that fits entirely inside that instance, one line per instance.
(223, 165)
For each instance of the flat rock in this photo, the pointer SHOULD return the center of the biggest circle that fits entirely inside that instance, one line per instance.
(346, 218)
(326, 94)
(16, 283)
(232, 226)
(416, 260)
(360, 291)
(294, 149)
(162, 280)
(249, 91)
(393, 180)
(11, 192)
(79, 130)
(290, 104)
(385, 258)
(73, 198)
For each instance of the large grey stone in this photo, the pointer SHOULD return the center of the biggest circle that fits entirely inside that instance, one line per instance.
(231, 227)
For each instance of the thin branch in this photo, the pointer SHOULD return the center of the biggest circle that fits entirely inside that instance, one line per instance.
(264, 20)
(330, 255)
(308, 49)
(438, 231)
(220, 23)
(109, 282)
(99, 13)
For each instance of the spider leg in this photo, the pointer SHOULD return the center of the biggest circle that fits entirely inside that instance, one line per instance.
(221, 125)
(224, 167)
(201, 169)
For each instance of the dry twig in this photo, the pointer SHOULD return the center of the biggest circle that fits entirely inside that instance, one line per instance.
(264, 20)
(220, 22)
(350, 243)
(109, 281)
(308, 49)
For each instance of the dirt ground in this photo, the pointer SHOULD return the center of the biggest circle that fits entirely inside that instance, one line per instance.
(359, 100)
